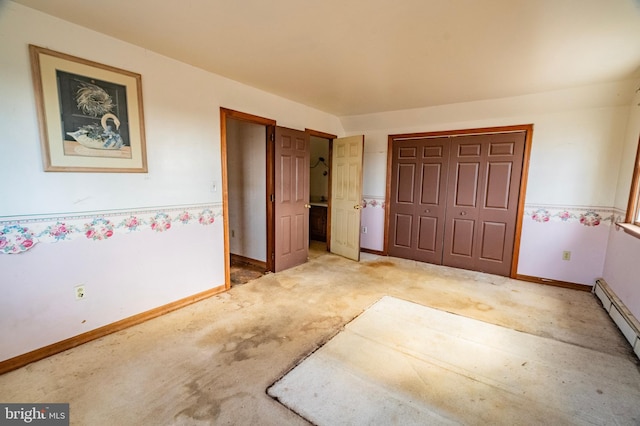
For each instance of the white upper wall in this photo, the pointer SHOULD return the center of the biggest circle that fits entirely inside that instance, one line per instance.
(629, 152)
(381, 55)
(577, 138)
(182, 121)
(318, 181)
(621, 267)
(246, 177)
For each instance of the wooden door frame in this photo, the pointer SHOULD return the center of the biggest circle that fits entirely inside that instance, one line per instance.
(270, 124)
(330, 137)
(527, 128)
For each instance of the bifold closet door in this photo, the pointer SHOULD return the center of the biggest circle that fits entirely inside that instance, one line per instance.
(418, 195)
(482, 201)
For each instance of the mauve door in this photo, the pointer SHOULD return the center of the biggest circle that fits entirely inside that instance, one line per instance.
(418, 191)
(482, 201)
(292, 197)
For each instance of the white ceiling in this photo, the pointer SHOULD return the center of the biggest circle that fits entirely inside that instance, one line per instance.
(349, 57)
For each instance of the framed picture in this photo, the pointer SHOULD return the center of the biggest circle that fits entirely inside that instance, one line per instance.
(90, 114)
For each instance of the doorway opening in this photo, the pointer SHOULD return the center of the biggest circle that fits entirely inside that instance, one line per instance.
(247, 181)
(319, 192)
(265, 209)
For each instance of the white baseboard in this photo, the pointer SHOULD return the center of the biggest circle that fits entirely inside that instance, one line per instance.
(624, 319)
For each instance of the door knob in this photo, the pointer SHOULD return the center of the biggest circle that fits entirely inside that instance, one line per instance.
(427, 211)
(463, 213)
(308, 206)
(357, 207)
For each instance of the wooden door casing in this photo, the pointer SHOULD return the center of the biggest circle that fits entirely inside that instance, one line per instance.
(291, 198)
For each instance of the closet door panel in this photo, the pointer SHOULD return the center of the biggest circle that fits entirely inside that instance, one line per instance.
(498, 209)
(428, 234)
(465, 180)
(402, 237)
(462, 233)
(483, 201)
(418, 188)
(493, 240)
(404, 172)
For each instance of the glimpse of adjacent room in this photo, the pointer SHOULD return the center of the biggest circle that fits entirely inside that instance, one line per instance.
(319, 178)
(246, 165)
(247, 175)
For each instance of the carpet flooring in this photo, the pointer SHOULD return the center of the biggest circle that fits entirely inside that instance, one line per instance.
(403, 363)
(242, 273)
(210, 363)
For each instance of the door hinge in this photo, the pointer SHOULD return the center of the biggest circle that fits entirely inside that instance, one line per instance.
(273, 256)
(273, 137)
(272, 197)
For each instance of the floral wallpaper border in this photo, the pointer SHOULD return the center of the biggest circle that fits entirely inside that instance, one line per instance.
(373, 202)
(20, 235)
(587, 216)
(584, 215)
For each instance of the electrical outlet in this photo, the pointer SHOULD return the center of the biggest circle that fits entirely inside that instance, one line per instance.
(80, 292)
(566, 255)
(364, 229)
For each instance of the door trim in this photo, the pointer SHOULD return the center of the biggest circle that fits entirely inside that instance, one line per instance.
(225, 114)
(527, 128)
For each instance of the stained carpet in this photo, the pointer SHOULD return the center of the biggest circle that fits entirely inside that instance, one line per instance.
(242, 273)
(401, 363)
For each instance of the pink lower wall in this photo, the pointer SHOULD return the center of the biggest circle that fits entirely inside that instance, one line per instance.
(548, 231)
(622, 268)
(127, 267)
(372, 219)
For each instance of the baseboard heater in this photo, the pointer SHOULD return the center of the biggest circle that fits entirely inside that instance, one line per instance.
(624, 319)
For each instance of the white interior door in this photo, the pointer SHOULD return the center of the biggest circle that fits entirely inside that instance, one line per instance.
(346, 196)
